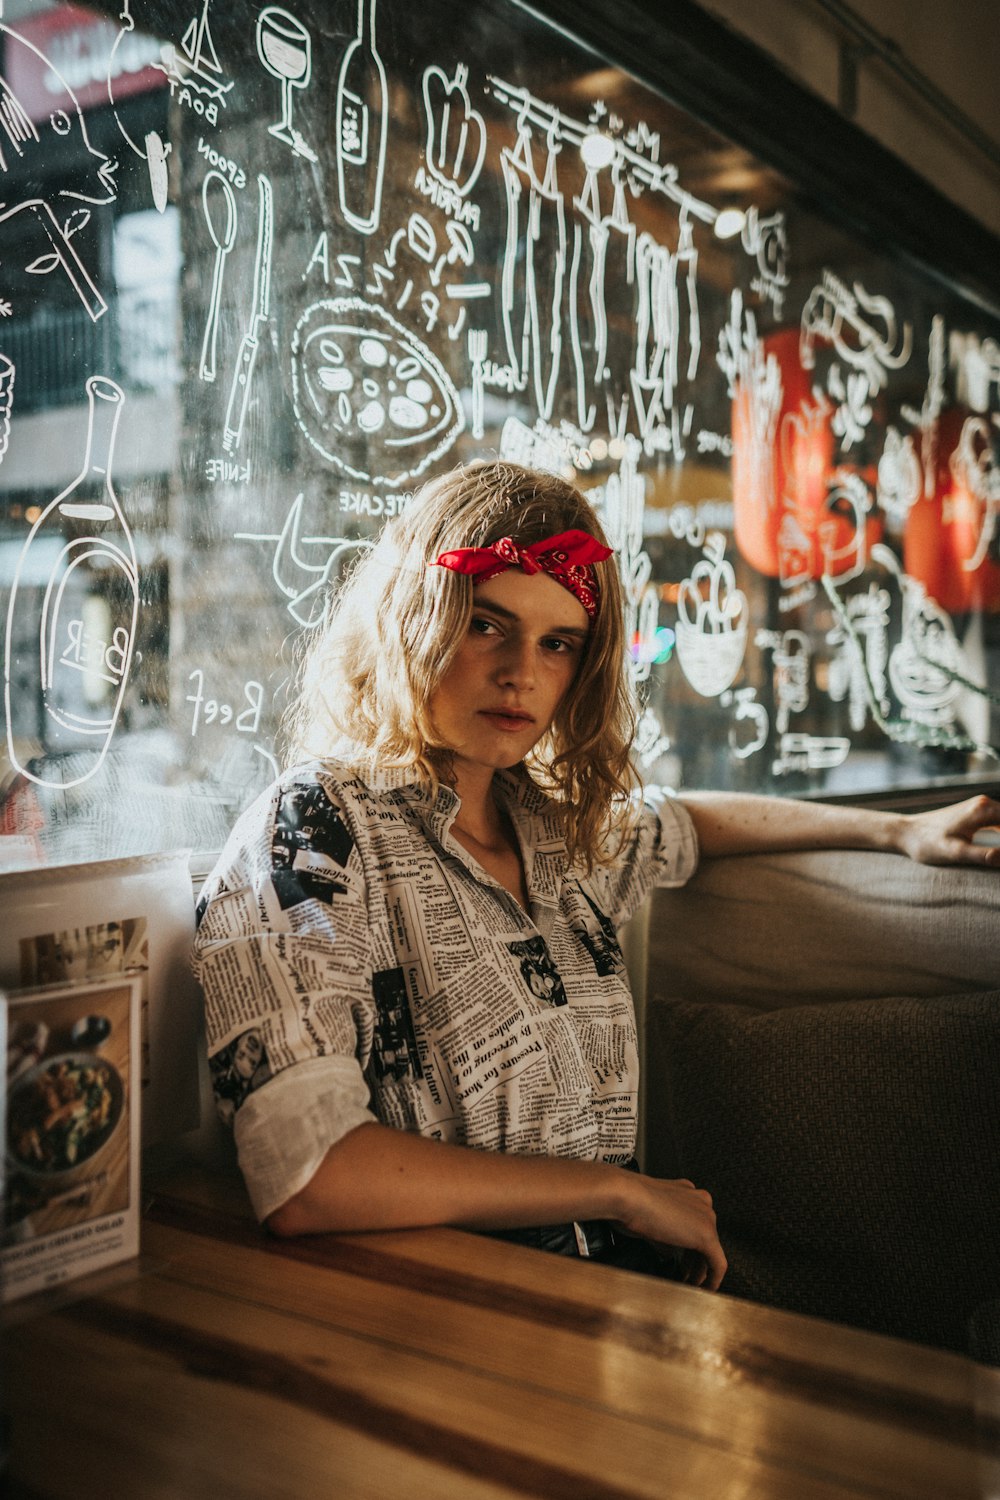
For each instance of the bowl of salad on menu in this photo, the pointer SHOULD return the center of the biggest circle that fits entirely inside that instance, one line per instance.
(62, 1113)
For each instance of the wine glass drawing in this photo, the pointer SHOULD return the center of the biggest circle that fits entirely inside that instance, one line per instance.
(285, 49)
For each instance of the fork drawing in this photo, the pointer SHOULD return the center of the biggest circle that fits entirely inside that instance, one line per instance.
(477, 355)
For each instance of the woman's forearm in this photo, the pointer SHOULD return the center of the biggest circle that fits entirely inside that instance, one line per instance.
(740, 823)
(380, 1178)
(744, 824)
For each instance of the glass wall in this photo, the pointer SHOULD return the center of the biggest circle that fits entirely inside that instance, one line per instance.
(263, 271)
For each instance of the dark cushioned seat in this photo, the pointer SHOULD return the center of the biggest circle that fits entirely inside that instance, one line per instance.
(852, 1148)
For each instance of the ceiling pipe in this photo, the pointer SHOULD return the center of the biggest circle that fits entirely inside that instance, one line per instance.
(869, 42)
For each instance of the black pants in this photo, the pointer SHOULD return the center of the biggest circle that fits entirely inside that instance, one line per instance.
(597, 1239)
(603, 1243)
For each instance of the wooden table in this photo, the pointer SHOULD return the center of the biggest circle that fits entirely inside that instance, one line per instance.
(444, 1365)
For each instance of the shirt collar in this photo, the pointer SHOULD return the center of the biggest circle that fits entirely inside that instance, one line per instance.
(536, 821)
(538, 825)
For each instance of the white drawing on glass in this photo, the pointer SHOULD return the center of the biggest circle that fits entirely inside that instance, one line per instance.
(850, 322)
(795, 554)
(791, 659)
(582, 330)
(933, 400)
(446, 198)
(601, 258)
(218, 203)
(467, 291)
(800, 440)
(755, 379)
(284, 46)
(766, 240)
(976, 471)
(600, 148)
(750, 727)
(456, 133)
(977, 368)
(270, 760)
(926, 663)
(368, 395)
(7, 373)
(305, 583)
(654, 374)
(712, 620)
(533, 267)
(302, 582)
(800, 752)
(860, 655)
(686, 523)
(849, 498)
(587, 273)
(156, 149)
(622, 502)
(239, 394)
(392, 279)
(91, 184)
(210, 710)
(612, 243)
(854, 412)
(863, 331)
(926, 419)
(477, 347)
(80, 672)
(231, 170)
(196, 67)
(650, 742)
(226, 471)
(538, 449)
(900, 478)
(362, 112)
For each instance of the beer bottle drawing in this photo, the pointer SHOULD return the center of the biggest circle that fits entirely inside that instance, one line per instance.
(80, 658)
(362, 126)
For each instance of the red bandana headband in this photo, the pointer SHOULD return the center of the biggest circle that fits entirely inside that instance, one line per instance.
(568, 558)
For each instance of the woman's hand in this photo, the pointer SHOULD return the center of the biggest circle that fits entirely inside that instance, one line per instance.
(944, 835)
(673, 1213)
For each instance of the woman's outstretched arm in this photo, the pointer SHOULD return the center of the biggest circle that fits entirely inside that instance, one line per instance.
(744, 824)
(377, 1177)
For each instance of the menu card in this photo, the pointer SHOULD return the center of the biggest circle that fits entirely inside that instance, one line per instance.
(71, 1204)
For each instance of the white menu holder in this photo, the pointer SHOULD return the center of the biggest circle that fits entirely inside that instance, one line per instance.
(88, 922)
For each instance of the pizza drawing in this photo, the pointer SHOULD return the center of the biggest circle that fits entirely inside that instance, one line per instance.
(369, 396)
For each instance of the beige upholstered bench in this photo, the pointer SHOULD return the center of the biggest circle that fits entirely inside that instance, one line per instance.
(821, 1037)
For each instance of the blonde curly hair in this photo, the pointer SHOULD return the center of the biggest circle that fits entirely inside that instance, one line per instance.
(368, 676)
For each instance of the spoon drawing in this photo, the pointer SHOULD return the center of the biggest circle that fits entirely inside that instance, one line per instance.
(222, 239)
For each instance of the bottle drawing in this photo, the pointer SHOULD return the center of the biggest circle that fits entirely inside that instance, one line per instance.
(79, 659)
(6, 401)
(362, 126)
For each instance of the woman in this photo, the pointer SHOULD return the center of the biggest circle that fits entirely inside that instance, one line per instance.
(420, 920)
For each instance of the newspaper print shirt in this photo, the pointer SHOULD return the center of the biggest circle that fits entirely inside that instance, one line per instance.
(358, 964)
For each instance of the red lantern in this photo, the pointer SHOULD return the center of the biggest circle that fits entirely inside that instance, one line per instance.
(794, 516)
(948, 532)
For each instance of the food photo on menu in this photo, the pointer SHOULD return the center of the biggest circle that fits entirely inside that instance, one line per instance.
(95, 950)
(72, 1132)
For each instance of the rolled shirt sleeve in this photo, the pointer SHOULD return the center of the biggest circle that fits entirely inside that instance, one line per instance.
(282, 957)
(284, 1130)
